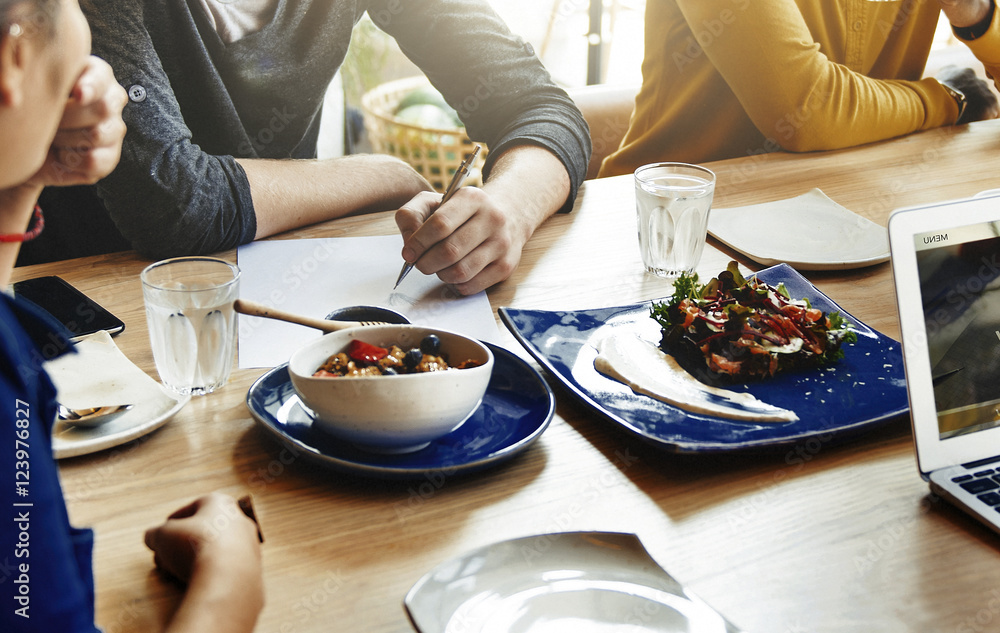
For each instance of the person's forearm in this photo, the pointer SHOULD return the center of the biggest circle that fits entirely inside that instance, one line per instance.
(291, 193)
(963, 13)
(530, 180)
(799, 98)
(219, 602)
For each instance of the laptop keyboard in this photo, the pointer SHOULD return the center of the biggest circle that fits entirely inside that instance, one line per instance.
(984, 484)
(973, 486)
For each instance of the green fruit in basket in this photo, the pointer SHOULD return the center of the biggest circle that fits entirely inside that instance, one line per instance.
(421, 96)
(427, 115)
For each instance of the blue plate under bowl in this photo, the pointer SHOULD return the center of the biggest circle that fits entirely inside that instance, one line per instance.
(865, 389)
(516, 409)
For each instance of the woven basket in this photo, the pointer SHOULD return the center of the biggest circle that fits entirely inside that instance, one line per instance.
(434, 153)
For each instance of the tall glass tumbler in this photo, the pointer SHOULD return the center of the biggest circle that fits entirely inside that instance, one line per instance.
(192, 323)
(672, 202)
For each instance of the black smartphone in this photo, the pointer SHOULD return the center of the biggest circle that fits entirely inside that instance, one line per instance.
(79, 313)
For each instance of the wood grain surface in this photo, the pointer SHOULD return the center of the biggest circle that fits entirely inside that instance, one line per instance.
(823, 536)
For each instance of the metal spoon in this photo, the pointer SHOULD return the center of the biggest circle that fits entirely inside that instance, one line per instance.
(92, 416)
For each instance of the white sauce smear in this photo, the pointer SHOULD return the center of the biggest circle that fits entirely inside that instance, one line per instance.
(648, 371)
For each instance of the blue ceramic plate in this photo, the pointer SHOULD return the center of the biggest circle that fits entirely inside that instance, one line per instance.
(863, 390)
(516, 409)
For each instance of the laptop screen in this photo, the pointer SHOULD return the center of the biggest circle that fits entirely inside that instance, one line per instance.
(959, 276)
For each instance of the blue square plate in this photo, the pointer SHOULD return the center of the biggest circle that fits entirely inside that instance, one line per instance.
(865, 389)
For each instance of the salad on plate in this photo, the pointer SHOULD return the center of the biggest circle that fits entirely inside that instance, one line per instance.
(735, 329)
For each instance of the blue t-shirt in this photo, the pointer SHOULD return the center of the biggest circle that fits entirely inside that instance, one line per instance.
(46, 573)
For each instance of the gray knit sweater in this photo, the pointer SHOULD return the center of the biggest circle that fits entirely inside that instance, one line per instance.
(196, 104)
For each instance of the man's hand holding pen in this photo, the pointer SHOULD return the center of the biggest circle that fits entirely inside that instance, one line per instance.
(469, 242)
(461, 173)
(475, 239)
(463, 236)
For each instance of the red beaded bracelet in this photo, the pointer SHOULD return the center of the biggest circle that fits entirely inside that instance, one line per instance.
(34, 229)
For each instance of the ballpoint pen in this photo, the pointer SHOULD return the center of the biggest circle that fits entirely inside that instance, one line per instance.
(456, 183)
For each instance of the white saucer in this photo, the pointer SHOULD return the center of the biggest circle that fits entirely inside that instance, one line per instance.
(584, 582)
(100, 374)
(143, 418)
(808, 232)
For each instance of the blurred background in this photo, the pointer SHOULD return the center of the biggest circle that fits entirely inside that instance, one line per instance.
(581, 42)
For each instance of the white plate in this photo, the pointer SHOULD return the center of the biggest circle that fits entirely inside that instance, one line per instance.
(98, 375)
(584, 582)
(808, 232)
(145, 417)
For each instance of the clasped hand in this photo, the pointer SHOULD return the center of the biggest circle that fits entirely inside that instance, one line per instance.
(87, 144)
(981, 100)
(210, 535)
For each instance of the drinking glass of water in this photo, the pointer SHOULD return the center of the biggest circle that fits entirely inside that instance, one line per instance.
(672, 201)
(192, 324)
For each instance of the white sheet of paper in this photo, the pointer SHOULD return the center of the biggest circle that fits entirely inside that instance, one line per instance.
(315, 276)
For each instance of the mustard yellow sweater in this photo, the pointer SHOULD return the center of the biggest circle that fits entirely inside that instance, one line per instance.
(728, 78)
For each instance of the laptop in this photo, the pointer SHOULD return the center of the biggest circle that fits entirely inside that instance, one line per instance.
(946, 267)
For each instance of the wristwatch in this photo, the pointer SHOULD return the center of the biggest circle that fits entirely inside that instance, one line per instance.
(959, 98)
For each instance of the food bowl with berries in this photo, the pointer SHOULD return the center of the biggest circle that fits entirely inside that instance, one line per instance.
(391, 388)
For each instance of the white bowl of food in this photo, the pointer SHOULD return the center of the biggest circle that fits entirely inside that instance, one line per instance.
(374, 387)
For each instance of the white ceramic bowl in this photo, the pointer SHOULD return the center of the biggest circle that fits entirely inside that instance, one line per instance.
(392, 414)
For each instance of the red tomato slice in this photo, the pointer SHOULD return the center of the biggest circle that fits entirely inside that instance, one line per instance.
(361, 351)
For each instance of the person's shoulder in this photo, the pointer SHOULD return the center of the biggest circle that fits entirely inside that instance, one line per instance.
(113, 11)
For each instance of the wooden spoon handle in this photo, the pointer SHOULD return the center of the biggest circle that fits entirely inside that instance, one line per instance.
(252, 308)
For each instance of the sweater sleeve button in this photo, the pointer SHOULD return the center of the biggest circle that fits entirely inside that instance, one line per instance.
(137, 94)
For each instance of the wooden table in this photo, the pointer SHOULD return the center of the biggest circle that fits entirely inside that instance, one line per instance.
(818, 537)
